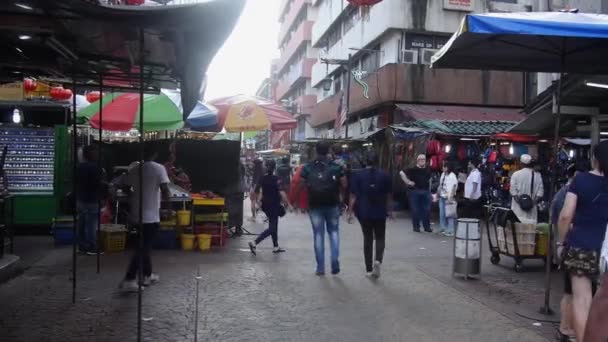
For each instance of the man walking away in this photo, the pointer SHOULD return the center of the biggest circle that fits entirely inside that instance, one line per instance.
(323, 179)
(155, 183)
(371, 201)
(472, 191)
(89, 195)
(418, 180)
(526, 190)
(284, 174)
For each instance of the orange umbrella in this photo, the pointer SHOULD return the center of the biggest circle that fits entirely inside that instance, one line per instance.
(242, 113)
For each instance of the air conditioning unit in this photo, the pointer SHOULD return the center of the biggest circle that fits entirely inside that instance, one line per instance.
(426, 56)
(409, 56)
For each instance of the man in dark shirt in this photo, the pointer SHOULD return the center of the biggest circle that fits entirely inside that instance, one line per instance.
(324, 179)
(88, 198)
(418, 180)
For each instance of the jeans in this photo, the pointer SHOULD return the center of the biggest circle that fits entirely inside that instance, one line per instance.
(149, 233)
(373, 230)
(420, 207)
(446, 224)
(273, 227)
(323, 218)
(88, 216)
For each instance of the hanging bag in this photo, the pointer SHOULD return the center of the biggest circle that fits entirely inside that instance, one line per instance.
(526, 202)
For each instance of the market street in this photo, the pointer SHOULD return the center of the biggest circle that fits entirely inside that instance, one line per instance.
(277, 297)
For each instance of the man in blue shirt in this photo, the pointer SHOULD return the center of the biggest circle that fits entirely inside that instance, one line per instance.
(371, 202)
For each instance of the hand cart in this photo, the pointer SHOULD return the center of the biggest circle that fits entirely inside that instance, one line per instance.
(503, 237)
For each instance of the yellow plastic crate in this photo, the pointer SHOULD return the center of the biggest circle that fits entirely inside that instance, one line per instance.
(209, 201)
(113, 242)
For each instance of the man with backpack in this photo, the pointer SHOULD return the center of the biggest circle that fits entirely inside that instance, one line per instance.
(526, 189)
(323, 179)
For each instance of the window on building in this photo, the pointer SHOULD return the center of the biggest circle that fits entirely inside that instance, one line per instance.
(334, 36)
(301, 126)
(371, 61)
(351, 18)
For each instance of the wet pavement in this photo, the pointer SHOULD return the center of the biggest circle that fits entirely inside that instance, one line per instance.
(277, 297)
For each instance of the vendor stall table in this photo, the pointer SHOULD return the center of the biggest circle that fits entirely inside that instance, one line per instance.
(201, 208)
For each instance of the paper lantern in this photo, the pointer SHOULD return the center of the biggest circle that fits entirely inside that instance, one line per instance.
(66, 94)
(29, 84)
(93, 96)
(135, 2)
(56, 92)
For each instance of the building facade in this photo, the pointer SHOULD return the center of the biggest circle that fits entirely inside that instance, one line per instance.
(392, 45)
(294, 68)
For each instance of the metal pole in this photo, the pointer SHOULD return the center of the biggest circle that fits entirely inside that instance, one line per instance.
(140, 235)
(347, 105)
(546, 308)
(99, 169)
(74, 191)
(196, 304)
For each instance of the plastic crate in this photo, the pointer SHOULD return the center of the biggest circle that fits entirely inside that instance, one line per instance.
(525, 249)
(113, 238)
(521, 237)
(525, 227)
(166, 239)
(63, 230)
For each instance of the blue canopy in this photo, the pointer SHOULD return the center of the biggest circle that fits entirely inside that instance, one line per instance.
(530, 41)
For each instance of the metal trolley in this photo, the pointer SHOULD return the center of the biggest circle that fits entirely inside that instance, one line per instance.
(498, 217)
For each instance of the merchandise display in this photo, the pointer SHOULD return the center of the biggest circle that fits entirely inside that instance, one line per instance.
(29, 164)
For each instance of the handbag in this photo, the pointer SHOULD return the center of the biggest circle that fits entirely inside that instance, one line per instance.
(282, 212)
(525, 201)
(451, 209)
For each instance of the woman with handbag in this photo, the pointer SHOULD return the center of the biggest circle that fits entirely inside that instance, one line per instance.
(448, 184)
(271, 197)
(582, 224)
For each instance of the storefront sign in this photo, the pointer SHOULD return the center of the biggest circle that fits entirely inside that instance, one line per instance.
(459, 5)
(421, 41)
(11, 91)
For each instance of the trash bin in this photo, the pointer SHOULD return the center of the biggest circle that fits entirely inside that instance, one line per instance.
(467, 248)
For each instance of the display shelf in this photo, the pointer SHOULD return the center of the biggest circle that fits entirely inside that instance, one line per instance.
(29, 164)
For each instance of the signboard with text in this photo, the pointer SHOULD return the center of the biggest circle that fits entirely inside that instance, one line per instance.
(11, 91)
(459, 5)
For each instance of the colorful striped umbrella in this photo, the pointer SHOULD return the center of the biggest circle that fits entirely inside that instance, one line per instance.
(121, 113)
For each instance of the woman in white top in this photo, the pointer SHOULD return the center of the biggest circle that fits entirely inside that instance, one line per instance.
(448, 183)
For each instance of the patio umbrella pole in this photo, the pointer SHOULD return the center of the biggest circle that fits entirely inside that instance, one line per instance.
(99, 169)
(74, 192)
(546, 309)
(140, 244)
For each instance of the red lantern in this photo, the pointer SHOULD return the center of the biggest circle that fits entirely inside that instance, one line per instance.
(364, 2)
(93, 96)
(56, 92)
(66, 94)
(135, 2)
(29, 84)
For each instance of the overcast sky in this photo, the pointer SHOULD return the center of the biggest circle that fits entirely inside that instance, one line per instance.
(244, 60)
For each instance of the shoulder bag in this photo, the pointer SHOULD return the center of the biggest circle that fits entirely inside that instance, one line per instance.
(525, 201)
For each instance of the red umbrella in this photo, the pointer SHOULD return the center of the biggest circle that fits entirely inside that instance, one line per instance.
(242, 113)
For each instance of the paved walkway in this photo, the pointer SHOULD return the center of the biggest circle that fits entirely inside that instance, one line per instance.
(275, 297)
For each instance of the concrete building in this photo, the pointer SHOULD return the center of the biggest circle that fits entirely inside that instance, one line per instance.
(398, 38)
(294, 68)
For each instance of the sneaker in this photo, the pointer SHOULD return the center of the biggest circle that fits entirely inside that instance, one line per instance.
(129, 286)
(278, 250)
(369, 275)
(320, 273)
(448, 234)
(416, 230)
(376, 270)
(152, 279)
(252, 248)
(428, 230)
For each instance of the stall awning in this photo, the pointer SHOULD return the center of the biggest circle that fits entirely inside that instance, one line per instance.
(83, 40)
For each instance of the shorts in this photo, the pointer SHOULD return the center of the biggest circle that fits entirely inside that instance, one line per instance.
(581, 262)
